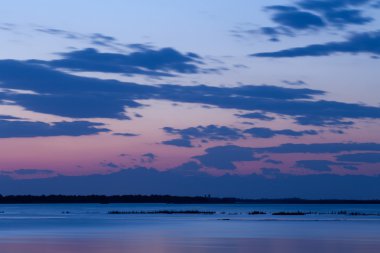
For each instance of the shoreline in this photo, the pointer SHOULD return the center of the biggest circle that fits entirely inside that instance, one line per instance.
(167, 199)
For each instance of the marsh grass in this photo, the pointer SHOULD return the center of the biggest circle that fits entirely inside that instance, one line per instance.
(163, 212)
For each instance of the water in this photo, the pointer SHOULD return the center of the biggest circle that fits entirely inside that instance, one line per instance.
(90, 228)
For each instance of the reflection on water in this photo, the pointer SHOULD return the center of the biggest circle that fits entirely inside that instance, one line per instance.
(89, 228)
(204, 245)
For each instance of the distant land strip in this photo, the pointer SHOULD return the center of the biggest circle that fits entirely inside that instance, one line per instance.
(166, 199)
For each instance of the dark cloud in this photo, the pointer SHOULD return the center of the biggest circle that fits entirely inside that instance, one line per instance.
(72, 96)
(292, 17)
(325, 5)
(366, 42)
(150, 181)
(273, 161)
(210, 132)
(262, 132)
(338, 12)
(296, 83)
(255, 115)
(323, 165)
(126, 134)
(274, 33)
(109, 165)
(7, 117)
(320, 148)
(360, 157)
(203, 133)
(350, 167)
(223, 133)
(223, 157)
(148, 158)
(314, 15)
(185, 143)
(345, 17)
(315, 165)
(151, 62)
(291, 107)
(30, 172)
(323, 121)
(63, 94)
(13, 129)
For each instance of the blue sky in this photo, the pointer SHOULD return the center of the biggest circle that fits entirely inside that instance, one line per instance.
(200, 88)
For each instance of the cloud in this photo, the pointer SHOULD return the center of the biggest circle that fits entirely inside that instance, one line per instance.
(96, 39)
(323, 165)
(203, 133)
(148, 158)
(7, 117)
(109, 165)
(325, 5)
(339, 12)
(272, 161)
(262, 132)
(320, 148)
(223, 157)
(126, 134)
(20, 129)
(63, 94)
(350, 167)
(150, 62)
(295, 83)
(63, 33)
(323, 121)
(274, 33)
(30, 172)
(360, 158)
(366, 42)
(210, 132)
(345, 17)
(150, 181)
(185, 143)
(313, 15)
(294, 18)
(315, 165)
(255, 115)
(223, 133)
(278, 103)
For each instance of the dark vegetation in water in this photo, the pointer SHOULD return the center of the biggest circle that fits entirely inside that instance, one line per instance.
(163, 212)
(281, 213)
(105, 199)
(289, 213)
(256, 212)
(344, 212)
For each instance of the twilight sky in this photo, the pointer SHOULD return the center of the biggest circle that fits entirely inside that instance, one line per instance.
(230, 98)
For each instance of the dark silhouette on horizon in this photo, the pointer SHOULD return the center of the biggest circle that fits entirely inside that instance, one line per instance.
(166, 199)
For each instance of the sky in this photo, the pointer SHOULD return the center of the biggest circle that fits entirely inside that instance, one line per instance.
(254, 99)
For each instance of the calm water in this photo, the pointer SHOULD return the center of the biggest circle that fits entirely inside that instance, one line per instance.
(89, 228)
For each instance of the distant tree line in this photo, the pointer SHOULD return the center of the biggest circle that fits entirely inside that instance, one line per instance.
(168, 199)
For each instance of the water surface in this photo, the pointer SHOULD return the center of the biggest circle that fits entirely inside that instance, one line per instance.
(90, 228)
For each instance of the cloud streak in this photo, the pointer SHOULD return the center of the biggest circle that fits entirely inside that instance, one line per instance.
(146, 61)
(367, 42)
(25, 129)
